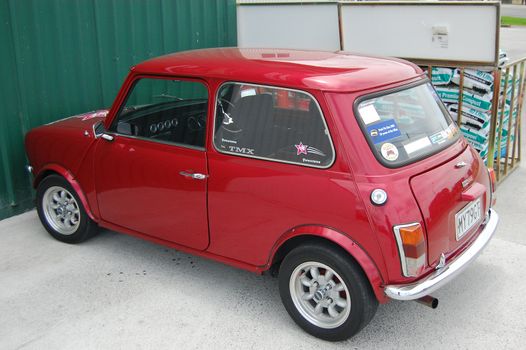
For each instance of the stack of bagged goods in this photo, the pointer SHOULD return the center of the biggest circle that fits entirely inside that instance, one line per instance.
(503, 57)
(477, 98)
(475, 126)
(441, 76)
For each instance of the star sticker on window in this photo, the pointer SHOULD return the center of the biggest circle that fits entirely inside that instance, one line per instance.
(301, 149)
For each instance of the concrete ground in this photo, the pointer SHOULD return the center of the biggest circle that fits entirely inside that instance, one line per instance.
(119, 292)
(513, 41)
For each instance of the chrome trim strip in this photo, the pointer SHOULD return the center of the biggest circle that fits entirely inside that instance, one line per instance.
(232, 82)
(441, 277)
(146, 139)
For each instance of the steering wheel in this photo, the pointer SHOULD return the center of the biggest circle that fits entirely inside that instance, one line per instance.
(228, 123)
(195, 123)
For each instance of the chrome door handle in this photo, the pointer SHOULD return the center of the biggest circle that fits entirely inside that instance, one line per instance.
(196, 176)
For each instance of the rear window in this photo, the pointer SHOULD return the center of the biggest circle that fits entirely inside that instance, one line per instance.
(407, 125)
(272, 123)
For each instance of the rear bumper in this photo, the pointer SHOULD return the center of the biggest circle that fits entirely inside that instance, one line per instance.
(452, 269)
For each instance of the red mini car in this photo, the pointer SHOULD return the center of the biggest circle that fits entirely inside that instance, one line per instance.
(342, 174)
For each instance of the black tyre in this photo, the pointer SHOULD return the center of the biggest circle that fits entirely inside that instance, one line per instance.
(61, 211)
(325, 292)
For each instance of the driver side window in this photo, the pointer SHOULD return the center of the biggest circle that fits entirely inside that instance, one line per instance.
(165, 110)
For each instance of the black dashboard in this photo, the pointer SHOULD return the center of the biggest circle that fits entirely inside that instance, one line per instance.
(170, 122)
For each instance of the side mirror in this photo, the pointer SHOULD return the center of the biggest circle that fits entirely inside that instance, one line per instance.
(98, 129)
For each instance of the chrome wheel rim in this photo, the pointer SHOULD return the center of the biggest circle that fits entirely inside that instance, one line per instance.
(320, 295)
(61, 210)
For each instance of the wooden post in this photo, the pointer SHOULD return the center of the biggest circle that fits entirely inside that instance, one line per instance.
(517, 134)
(510, 118)
(501, 117)
(494, 117)
(460, 96)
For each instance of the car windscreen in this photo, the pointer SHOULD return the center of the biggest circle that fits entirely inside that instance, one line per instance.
(406, 125)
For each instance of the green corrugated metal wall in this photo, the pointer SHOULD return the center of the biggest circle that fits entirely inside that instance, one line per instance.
(63, 57)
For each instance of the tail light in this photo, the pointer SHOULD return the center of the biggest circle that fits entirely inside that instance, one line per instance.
(412, 248)
(493, 180)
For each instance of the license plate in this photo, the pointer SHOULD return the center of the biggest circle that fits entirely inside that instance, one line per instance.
(467, 217)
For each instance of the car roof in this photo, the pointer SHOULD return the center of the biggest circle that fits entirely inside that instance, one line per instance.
(320, 70)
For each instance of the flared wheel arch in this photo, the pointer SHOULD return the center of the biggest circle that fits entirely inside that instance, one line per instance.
(306, 234)
(54, 169)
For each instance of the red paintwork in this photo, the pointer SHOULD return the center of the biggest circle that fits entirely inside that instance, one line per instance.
(248, 208)
(439, 194)
(317, 70)
(150, 171)
(475, 191)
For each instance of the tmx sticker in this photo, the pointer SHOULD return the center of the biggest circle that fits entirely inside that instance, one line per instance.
(305, 149)
(243, 150)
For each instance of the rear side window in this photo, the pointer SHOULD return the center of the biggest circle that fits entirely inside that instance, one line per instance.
(273, 124)
(407, 125)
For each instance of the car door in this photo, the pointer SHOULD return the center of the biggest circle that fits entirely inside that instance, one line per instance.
(150, 166)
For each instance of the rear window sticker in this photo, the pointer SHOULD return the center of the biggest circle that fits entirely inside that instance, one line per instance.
(417, 145)
(228, 141)
(248, 92)
(369, 114)
(305, 149)
(243, 150)
(439, 137)
(227, 119)
(305, 160)
(389, 151)
(383, 131)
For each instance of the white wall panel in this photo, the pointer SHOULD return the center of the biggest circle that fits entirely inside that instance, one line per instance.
(411, 31)
(300, 26)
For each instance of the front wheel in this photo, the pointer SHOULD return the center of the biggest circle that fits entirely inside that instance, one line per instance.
(61, 212)
(325, 292)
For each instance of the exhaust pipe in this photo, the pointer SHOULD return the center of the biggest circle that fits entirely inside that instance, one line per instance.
(428, 300)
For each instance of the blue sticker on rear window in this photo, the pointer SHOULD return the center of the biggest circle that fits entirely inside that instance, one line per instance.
(383, 131)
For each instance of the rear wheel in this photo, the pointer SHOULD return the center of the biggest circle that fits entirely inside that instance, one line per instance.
(325, 292)
(61, 212)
